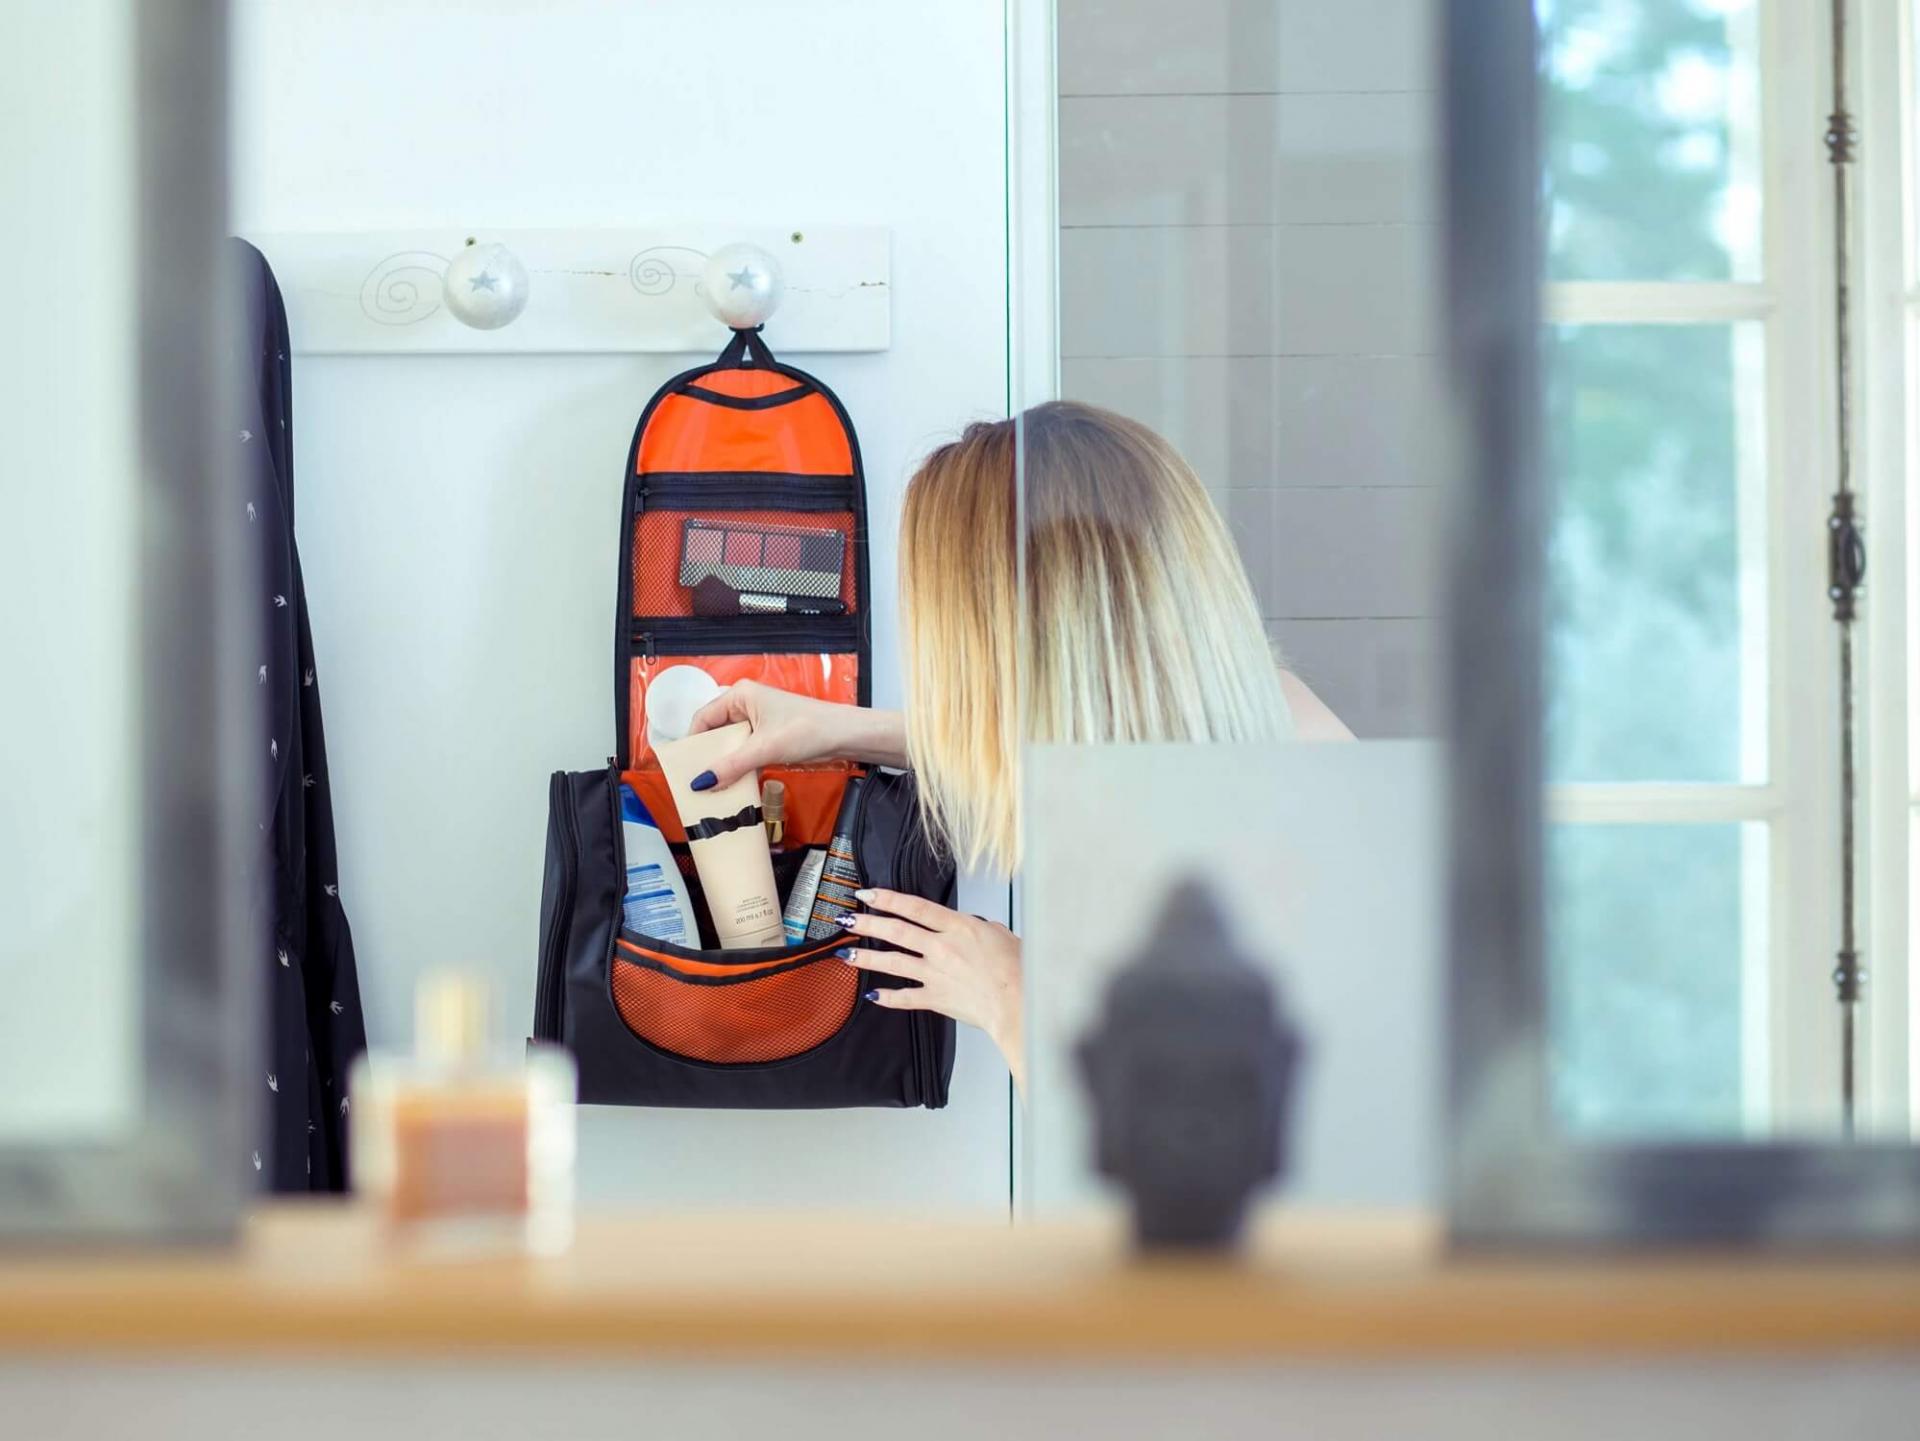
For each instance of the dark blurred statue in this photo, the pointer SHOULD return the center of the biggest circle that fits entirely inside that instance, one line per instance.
(1191, 1071)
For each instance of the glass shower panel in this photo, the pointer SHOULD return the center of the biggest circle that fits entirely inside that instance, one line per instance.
(1246, 253)
(1233, 528)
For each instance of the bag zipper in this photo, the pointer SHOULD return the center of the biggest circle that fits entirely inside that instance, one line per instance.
(746, 635)
(637, 949)
(921, 1026)
(548, 994)
(743, 490)
(918, 1025)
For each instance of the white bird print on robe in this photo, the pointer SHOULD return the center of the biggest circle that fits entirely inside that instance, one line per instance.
(281, 953)
(279, 602)
(331, 889)
(263, 675)
(273, 1083)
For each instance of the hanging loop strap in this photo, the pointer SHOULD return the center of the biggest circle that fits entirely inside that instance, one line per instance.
(747, 348)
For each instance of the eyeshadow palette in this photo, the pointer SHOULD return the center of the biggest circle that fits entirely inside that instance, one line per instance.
(772, 559)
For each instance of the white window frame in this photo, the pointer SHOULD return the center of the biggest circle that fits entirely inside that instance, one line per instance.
(1886, 285)
(1791, 1035)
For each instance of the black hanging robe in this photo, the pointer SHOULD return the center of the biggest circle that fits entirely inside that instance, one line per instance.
(315, 1026)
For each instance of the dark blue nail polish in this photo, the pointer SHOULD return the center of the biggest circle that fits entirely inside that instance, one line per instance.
(844, 921)
(871, 996)
(845, 953)
(701, 782)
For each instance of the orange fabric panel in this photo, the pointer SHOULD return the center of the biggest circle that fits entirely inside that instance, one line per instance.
(686, 433)
(657, 543)
(824, 677)
(813, 799)
(768, 1019)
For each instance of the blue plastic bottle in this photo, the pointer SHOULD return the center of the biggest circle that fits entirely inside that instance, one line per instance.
(656, 902)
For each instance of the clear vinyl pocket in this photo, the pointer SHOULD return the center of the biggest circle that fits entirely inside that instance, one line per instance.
(815, 657)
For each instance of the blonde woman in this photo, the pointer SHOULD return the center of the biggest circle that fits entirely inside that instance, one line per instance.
(1139, 625)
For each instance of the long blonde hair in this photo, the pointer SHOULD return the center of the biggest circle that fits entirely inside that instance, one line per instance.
(1139, 622)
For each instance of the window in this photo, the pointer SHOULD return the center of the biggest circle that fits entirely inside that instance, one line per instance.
(1692, 902)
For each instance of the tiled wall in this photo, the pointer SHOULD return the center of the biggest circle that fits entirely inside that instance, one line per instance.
(1247, 263)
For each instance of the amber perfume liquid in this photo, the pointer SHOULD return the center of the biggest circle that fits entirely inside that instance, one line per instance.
(461, 1150)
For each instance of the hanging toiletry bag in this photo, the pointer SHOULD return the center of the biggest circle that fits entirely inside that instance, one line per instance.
(743, 555)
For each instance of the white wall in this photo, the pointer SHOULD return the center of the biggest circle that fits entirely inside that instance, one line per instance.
(458, 517)
(1247, 258)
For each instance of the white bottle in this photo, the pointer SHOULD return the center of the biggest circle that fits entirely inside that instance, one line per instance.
(656, 901)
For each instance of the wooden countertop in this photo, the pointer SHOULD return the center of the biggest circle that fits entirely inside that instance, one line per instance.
(310, 1280)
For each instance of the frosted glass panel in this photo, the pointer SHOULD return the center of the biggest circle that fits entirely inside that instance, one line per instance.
(69, 790)
(1248, 247)
(1324, 861)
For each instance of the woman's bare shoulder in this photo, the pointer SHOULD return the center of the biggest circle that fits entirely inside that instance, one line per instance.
(1313, 719)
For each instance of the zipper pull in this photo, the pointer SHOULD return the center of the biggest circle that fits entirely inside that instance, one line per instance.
(647, 653)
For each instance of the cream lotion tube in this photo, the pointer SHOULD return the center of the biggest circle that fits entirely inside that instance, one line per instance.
(727, 837)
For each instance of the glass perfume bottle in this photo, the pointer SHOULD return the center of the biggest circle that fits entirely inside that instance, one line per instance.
(462, 1148)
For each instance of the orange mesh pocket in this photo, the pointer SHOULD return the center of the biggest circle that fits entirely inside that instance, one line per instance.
(659, 538)
(736, 1022)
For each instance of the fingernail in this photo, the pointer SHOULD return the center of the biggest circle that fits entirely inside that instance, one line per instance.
(702, 782)
(863, 896)
(845, 953)
(846, 920)
(871, 996)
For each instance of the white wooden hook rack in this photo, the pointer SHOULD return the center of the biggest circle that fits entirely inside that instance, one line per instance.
(380, 292)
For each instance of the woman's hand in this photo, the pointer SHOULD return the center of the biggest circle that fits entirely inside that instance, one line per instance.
(791, 729)
(967, 968)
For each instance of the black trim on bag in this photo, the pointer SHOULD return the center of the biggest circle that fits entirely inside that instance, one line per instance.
(745, 635)
(744, 490)
(749, 402)
(650, 963)
(550, 985)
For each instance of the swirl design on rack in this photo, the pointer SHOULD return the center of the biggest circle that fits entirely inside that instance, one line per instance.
(652, 272)
(404, 288)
